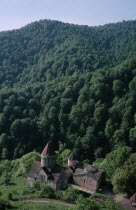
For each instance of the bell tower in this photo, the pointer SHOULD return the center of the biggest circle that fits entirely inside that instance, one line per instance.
(48, 156)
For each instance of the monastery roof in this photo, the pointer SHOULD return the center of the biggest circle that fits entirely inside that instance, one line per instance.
(48, 150)
(91, 168)
(133, 198)
(54, 174)
(89, 171)
(36, 165)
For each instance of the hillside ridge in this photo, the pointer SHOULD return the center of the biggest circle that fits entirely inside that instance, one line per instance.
(44, 50)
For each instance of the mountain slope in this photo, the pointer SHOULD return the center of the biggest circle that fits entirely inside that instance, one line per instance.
(47, 49)
(75, 85)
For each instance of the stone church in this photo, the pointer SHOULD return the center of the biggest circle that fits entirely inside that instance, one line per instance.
(48, 172)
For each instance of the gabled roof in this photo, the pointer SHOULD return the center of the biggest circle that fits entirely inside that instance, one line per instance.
(48, 150)
(89, 171)
(34, 168)
(133, 198)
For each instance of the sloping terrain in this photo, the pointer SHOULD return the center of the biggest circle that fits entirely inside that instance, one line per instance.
(47, 49)
(71, 84)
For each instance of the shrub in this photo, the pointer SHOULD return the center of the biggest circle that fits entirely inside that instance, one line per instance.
(22, 166)
(59, 195)
(46, 192)
(5, 178)
(86, 204)
(112, 205)
(37, 185)
(28, 191)
(69, 195)
(4, 204)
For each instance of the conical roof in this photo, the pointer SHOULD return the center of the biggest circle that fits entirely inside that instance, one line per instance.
(133, 198)
(72, 156)
(49, 149)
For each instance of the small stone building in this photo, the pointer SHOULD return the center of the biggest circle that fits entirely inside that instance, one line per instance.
(48, 172)
(89, 177)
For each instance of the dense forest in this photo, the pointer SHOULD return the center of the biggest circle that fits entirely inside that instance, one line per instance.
(74, 85)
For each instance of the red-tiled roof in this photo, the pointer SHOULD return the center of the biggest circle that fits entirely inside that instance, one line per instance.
(133, 198)
(48, 150)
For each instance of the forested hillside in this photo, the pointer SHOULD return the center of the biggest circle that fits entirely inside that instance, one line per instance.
(47, 49)
(74, 85)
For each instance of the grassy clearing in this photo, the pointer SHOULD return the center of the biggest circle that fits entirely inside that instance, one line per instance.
(20, 191)
(17, 187)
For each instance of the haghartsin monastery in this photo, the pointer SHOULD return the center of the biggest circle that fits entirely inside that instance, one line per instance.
(47, 171)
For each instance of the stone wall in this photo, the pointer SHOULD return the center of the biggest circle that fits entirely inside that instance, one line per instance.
(30, 181)
(41, 176)
(85, 181)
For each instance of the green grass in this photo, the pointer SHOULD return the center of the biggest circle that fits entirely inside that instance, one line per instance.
(38, 206)
(17, 187)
